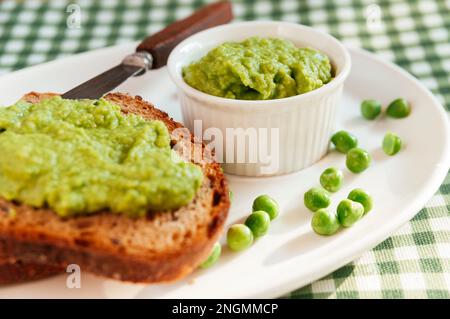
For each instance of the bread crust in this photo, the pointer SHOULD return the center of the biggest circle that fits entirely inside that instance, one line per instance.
(18, 272)
(39, 236)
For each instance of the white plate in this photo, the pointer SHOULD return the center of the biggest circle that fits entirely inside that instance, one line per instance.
(291, 255)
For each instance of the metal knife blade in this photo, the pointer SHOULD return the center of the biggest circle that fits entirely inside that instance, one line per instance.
(134, 64)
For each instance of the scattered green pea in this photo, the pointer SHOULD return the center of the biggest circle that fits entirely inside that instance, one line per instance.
(370, 109)
(316, 198)
(258, 222)
(349, 212)
(213, 256)
(358, 160)
(331, 179)
(239, 237)
(398, 108)
(391, 144)
(325, 222)
(267, 204)
(363, 197)
(344, 141)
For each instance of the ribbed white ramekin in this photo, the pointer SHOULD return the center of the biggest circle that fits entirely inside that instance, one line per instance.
(304, 123)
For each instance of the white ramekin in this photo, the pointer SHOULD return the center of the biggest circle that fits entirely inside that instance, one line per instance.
(305, 122)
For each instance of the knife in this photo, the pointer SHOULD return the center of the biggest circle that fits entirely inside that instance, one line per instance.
(153, 52)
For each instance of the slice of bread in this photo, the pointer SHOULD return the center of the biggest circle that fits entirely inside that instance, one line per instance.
(16, 272)
(164, 246)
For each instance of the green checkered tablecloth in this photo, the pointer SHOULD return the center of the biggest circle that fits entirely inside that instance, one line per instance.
(415, 261)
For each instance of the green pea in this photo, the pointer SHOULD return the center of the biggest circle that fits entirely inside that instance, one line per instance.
(239, 237)
(325, 222)
(370, 109)
(316, 198)
(349, 212)
(344, 141)
(358, 160)
(398, 108)
(258, 222)
(213, 256)
(363, 197)
(267, 204)
(331, 179)
(391, 144)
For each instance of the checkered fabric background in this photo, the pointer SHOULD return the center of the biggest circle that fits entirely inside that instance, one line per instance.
(415, 261)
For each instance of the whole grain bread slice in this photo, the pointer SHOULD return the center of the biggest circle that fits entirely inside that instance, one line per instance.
(164, 246)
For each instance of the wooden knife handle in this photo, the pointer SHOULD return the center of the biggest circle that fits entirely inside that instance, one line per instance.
(161, 43)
